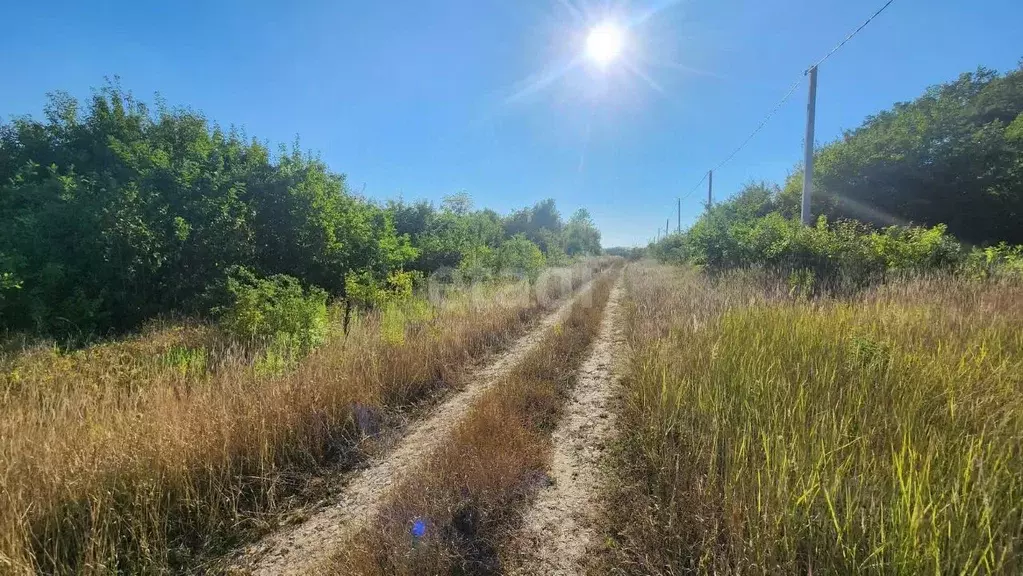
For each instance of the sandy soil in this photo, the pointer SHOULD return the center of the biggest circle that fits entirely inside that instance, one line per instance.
(301, 548)
(561, 529)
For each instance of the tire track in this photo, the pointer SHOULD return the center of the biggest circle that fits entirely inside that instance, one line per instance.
(561, 529)
(300, 549)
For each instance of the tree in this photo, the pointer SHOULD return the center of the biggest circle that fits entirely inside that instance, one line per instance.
(519, 255)
(541, 224)
(950, 156)
(459, 204)
(581, 235)
(114, 214)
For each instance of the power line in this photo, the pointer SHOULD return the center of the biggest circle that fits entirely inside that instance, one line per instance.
(851, 34)
(763, 122)
(767, 118)
(789, 94)
(695, 188)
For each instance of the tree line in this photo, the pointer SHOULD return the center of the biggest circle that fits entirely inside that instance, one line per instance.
(114, 213)
(953, 156)
(933, 183)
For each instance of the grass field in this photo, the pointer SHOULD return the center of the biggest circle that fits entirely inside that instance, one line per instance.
(131, 456)
(879, 434)
(451, 515)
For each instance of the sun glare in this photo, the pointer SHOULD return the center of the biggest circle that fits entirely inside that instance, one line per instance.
(604, 43)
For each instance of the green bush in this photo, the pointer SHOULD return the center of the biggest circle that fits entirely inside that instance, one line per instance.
(950, 156)
(1000, 260)
(366, 292)
(274, 311)
(521, 256)
(747, 232)
(477, 264)
(116, 213)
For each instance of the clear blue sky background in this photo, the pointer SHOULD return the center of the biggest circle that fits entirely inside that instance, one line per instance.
(428, 97)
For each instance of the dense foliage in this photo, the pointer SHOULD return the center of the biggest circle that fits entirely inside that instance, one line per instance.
(275, 310)
(750, 230)
(115, 213)
(458, 237)
(953, 156)
(951, 161)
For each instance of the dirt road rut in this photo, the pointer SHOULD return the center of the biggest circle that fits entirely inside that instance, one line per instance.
(300, 549)
(561, 528)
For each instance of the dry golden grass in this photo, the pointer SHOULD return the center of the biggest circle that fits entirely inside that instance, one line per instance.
(464, 497)
(876, 434)
(136, 456)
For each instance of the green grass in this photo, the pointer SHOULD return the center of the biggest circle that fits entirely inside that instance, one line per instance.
(876, 434)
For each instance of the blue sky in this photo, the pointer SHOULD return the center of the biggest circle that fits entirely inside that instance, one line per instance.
(428, 97)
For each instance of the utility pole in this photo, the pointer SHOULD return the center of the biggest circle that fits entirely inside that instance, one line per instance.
(710, 188)
(667, 222)
(679, 229)
(811, 111)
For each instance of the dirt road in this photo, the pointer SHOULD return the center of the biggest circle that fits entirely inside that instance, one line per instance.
(561, 526)
(300, 549)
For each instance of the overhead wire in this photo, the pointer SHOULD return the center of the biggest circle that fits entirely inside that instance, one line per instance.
(790, 92)
(695, 188)
(851, 34)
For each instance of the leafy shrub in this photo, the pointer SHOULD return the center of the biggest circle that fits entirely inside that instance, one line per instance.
(274, 310)
(1000, 260)
(917, 248)
(841, 254)
(950, 156)
(477, 265)
(116, 213)
(393, 298)
(401, 283)
(365, 291)
(521, 256)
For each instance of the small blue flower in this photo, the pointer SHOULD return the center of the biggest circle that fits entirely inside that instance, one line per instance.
(418, 528)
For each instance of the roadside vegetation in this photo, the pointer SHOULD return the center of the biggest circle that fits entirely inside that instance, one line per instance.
(844, 397)
(116, 213)
(749, 231)
(933, 185)
(451, 514)
(151, 453)
(193, 327)
(873, 434)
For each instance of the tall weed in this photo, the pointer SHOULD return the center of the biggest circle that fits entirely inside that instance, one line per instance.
(138, 456)
(874, 434)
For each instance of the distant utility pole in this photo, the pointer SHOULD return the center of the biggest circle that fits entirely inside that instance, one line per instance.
(811, 110)
(710, 188)
(667, 222)
(679, 229)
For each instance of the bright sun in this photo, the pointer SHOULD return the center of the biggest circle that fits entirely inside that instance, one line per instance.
(604, 43)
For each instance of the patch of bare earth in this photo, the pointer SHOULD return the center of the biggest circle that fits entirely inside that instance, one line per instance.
(301, 548)
(561, 529)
